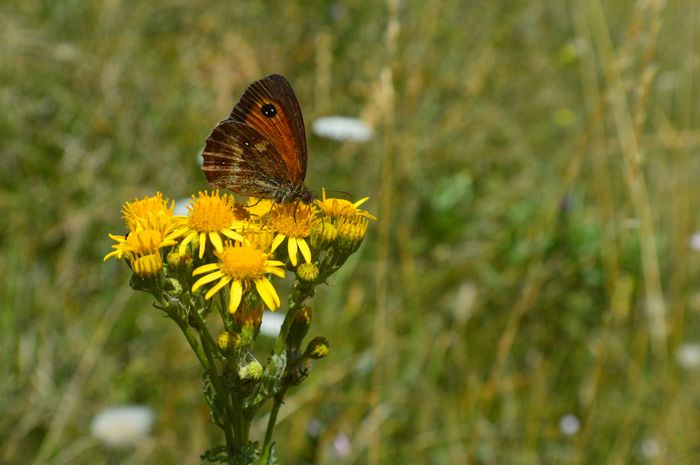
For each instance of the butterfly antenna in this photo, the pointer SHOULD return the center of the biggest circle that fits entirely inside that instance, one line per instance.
(347, 194)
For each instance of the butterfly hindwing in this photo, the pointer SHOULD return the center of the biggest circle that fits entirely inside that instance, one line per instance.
(270, 107)
(240, 158)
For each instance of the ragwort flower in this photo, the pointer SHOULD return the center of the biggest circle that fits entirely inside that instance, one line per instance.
(293, 221)
(259, 207)
(211, 216)
(153, 212)
(140, 242)
(336, 208)
(241, 265)
(151, 227)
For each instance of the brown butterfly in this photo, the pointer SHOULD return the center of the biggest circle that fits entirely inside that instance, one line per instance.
(260, 149)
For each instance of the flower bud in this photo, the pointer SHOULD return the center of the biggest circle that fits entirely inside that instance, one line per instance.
(146, 266)
(307, 272)
(227, 340)
(299, 328)
(249, 318)
(252, 371)
(318, 348)
(323, 233)
(351, 231)
(177, 261)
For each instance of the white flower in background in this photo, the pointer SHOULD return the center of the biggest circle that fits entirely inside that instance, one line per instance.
(650, 448)
(688, 356)
(631, 223)
(342, 128)
(569, 424)
(695, 241)
(271, 324)
(341, 445)
(122, 426)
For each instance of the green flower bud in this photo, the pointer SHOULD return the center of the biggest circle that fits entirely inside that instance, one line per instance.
(299, 328)
(307, 272)
(251, 371)
(227, 340)
(318, 348)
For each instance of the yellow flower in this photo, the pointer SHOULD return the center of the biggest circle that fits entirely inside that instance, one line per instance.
(149, 213)
(147, 265)
(323, 232)
(293, 221)
(211, 216)
(259, 207)
(150, 224)
(352, 229)
(240, 265)
(336, 208)
(258, 236)
(140, 242)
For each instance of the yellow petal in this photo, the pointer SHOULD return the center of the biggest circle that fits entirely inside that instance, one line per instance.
(206, 279)
(216, 241)
(202, 243)
(177, 232)
(275, 271)
(222, 282)
(168, 242)
(186, 241)
(205, 268)
(292, 250)
(276, 242)
(236, 296)
(304, 248)
(117, 238)
(268, 294)
(360, 202)
(233, 235)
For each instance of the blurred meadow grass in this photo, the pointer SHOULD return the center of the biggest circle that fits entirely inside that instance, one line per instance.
(535, 172)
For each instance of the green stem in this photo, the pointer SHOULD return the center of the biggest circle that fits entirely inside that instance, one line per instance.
(267, 444)
(203, 348)
(231, 407)
(296, 300)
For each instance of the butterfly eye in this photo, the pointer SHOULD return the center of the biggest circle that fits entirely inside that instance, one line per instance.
(268, 110)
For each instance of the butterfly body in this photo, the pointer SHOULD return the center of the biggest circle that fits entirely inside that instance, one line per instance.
(260, 149)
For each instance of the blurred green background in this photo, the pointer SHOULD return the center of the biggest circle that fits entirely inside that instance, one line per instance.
(529, 294)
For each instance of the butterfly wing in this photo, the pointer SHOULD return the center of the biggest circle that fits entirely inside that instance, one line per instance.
(238, 157)
(270, 106)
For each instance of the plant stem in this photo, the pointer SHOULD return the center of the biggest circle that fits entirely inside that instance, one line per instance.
(267, 444)
(230, 407)
(296, 299)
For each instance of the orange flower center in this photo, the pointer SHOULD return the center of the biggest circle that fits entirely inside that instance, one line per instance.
(242, 262)
(211, 213)
(292, 219)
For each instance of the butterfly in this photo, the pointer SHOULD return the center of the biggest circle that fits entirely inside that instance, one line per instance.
(260, 149)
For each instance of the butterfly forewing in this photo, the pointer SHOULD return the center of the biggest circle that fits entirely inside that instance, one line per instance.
(270, 106)
(240, 158)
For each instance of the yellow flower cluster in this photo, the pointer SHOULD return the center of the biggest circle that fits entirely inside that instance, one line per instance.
(236, 247)
(150, 227)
